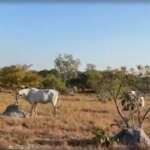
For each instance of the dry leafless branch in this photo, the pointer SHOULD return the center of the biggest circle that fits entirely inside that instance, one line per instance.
(139, 119)
(144, 117)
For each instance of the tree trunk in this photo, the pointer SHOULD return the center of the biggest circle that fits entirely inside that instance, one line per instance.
(133, 138)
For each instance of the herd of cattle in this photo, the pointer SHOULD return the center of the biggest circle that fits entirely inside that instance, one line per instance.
(44, 96)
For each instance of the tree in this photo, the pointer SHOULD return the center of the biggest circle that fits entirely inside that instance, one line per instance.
(117, 85)
(139, 79)
(115, 80)
(94, 77)
(53, 82)
(80, 81)
(67, 66)
(11, 76)
(45, 73)
(90, 67)
(56, 73)
(143, 74)
(32, 79)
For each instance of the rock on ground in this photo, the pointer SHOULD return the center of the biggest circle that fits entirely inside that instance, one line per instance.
(133, 137)
(14, 111)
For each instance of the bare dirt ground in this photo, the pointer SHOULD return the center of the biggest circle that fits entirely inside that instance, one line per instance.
(73, 128)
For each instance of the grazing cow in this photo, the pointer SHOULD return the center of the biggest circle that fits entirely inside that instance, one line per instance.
(35, 96)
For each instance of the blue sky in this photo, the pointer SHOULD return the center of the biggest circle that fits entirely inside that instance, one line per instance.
(103, 34)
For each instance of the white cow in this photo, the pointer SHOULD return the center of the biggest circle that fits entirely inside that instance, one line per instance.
(35, 96)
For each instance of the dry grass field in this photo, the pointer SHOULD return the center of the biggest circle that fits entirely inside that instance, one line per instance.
(72, 129)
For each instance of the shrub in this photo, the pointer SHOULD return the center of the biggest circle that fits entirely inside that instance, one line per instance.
(55, 83)
(102, 138)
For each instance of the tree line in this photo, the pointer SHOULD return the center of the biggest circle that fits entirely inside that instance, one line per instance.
(66, 74)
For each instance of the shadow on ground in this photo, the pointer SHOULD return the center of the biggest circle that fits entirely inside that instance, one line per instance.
(95, 111)
(72, 142)
(69, 99)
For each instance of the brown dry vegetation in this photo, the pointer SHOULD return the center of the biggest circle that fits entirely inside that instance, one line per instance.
(72, 129)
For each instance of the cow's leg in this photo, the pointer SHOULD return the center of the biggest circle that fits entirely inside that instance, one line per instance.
(35, 110)
(17, 100)
(32, 108)
(54, 110)
(55, 102)
(58, 103)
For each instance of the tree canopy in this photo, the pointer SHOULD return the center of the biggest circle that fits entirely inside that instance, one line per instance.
(66, 74)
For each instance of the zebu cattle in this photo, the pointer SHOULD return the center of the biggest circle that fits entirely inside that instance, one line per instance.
(35, 96)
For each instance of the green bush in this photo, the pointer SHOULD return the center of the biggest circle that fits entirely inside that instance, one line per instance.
(102, 138)
(54, 83)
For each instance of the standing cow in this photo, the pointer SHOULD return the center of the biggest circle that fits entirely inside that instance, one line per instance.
(35, 96)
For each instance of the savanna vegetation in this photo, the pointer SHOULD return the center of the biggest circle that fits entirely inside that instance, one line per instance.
(86, 117)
